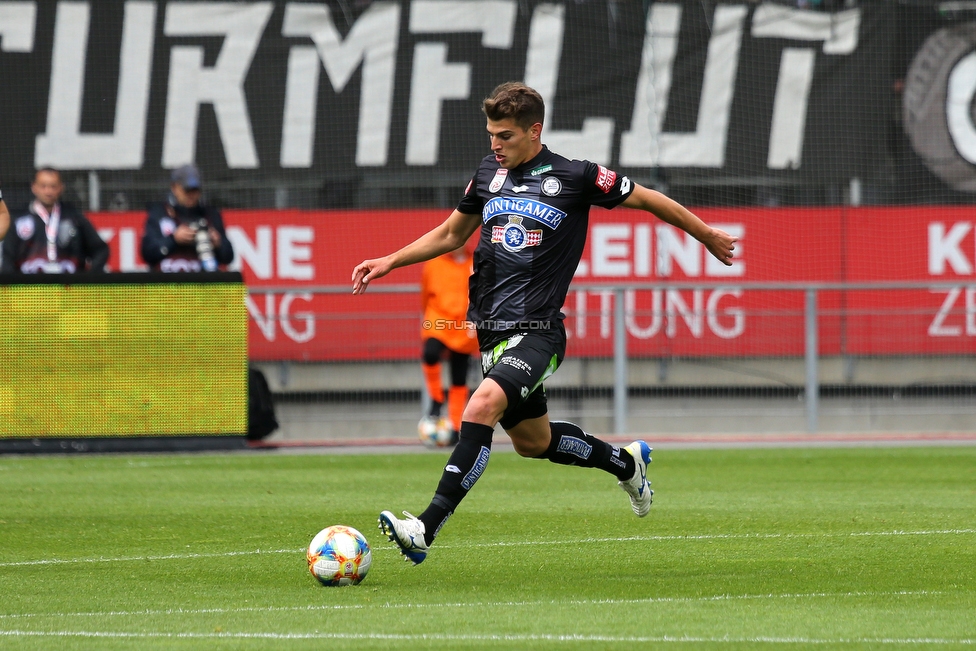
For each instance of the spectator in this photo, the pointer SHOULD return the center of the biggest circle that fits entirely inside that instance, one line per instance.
(182, 233)
(4, 217)
(50, 236)
(447, 333)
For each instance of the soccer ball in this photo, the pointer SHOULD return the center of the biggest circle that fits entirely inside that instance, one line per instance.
(339, 555)
(435, 432)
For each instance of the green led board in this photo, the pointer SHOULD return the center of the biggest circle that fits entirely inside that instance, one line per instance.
(123, 358)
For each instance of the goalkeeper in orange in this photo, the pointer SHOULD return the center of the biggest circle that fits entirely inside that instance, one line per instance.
(446, 334)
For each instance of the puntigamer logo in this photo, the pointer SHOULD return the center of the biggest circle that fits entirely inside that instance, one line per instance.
(536, 210)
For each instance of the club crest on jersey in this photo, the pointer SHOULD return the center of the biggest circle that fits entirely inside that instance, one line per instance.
(25, 227)
(513, 236)
(167, 226)
(496, 183)
(551, 186)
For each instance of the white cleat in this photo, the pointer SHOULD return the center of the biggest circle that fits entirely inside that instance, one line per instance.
(408, 534)
(637, 486)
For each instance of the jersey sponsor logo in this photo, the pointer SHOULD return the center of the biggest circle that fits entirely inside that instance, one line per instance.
(540, 170)
(479, 467)
(605, 179)
(24, 227)
(574, 446)
(179, 265)
(513, 236)
(531, 208)
(551, 186)
(496, 183)
(38, 265)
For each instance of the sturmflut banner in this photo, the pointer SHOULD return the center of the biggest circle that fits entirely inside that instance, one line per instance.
(339, 91)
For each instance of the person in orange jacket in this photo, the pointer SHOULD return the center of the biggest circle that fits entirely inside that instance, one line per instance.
(446, 334)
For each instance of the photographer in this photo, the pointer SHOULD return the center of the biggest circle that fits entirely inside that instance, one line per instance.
(182, 234)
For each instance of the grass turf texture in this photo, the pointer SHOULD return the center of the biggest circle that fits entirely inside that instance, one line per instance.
(779, 548)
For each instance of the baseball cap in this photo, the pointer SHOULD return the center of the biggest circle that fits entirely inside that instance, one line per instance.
(187, 176)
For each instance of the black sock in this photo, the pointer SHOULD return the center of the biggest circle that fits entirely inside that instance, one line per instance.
(468, 460)
(435, 409)
(571, 446)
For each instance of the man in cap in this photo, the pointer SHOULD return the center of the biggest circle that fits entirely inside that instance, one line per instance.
(182, 233)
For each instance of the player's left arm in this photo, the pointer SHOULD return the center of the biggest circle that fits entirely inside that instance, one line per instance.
(719, 243)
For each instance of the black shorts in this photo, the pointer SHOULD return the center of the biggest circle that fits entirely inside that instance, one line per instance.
(519, 364)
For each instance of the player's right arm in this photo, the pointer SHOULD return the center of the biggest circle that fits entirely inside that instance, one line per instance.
(448, 236)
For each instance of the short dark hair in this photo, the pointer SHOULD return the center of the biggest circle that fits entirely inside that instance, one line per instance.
(47, 169)
(514, 100)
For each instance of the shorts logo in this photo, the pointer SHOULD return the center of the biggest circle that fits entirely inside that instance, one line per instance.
(479, 467)
(499, 180)
(513, 236)
(551, 186)
(605, 179)
(574, 446)
(25, 227)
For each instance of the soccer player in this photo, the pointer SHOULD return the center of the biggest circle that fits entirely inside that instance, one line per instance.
(532, 207)
(444, 296)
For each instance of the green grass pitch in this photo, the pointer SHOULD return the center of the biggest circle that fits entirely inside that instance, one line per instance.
(857, 548)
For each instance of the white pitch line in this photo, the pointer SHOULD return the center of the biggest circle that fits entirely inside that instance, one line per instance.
(166, 557)
(524, 543)
(475, 604)
(436, 637)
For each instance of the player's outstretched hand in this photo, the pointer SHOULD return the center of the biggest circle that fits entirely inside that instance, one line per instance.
(368, 270)
(721, 245)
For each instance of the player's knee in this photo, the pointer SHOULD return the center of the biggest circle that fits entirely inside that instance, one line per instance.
(485, 406)
(531, 449)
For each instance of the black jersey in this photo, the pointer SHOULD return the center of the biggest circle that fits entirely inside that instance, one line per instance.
(534, 223)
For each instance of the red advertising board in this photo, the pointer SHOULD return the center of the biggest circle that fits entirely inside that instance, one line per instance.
(304, 260)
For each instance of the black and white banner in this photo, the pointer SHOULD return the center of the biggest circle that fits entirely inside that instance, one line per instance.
(304, 90)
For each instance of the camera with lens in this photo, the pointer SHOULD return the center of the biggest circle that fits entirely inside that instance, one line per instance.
(201, 238)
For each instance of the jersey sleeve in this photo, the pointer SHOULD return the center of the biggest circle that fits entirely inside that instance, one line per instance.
(471, 203)
(604, 187)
